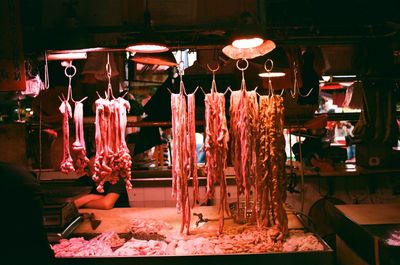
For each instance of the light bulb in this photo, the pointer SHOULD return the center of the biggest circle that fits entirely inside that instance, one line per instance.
(247, 43)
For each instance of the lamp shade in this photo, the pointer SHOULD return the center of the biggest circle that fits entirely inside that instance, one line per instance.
(162, 58)
(248, 53)
(247, 41)
(148, 43)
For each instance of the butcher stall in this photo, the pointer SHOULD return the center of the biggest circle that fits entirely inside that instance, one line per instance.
(151, 236)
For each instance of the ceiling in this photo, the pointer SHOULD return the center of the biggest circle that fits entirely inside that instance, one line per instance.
(338, 27)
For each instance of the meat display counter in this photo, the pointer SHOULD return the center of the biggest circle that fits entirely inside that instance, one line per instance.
(367, 233)
(118, 221)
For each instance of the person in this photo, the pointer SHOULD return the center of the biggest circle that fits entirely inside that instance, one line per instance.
(24, 234)
(115, 195)
(350, 146)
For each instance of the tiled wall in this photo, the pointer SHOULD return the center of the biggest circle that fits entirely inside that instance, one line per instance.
(351, 189)
(162, 196)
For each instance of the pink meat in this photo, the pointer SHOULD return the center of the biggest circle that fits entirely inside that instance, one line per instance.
(216, 147)
(192, 147)
(113, 159)
(67, 165)
(79, 146)
(244, 133)
(184, 160)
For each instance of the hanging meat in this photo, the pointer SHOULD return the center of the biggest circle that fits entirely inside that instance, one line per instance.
(216, 149)
(192, 146)
(235, 143)
(264, 177)
(112, 154)
(79, 146)
(181, 156)
(244, 134)
(123, 158)
(271, 183)
(67, 165)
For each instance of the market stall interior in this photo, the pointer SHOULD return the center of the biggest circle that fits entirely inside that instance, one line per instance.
(240, 129)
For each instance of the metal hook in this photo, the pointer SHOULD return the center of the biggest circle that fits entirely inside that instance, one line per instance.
(194, 92)
(213, 70)
(110, 92)
(181, 70)
(108, 71)
(244, 68)
(268, 69)
(204, 92)
(126, 93)
(108, 66)
(213, 83)
(68, 67)
(182, 90)
(228, 89)
(97, 92)
(83, 99)
(69, 93)
(270, 89)
(295, 88)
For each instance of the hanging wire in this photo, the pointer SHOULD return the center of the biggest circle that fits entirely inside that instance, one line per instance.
(46, 72)
(268, 69)
(70, 66)
(182, 89)
(97, 92)
(295, 84)
(70, 76)
(108, 71)
(228, 89)
(181, 71)
(126, 93)
(194, 92)
(213, 83)
(255, 90)
(202, 90)
(243, 86)
(197, 88)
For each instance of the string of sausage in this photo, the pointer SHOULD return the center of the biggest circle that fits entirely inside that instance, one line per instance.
(264, 178)
(112, 154)
(271, 183)
(67, 165)
(216, 149)
(253, 146)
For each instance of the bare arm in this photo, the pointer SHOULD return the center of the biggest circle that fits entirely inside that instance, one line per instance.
(79, 202)
(103, 202)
